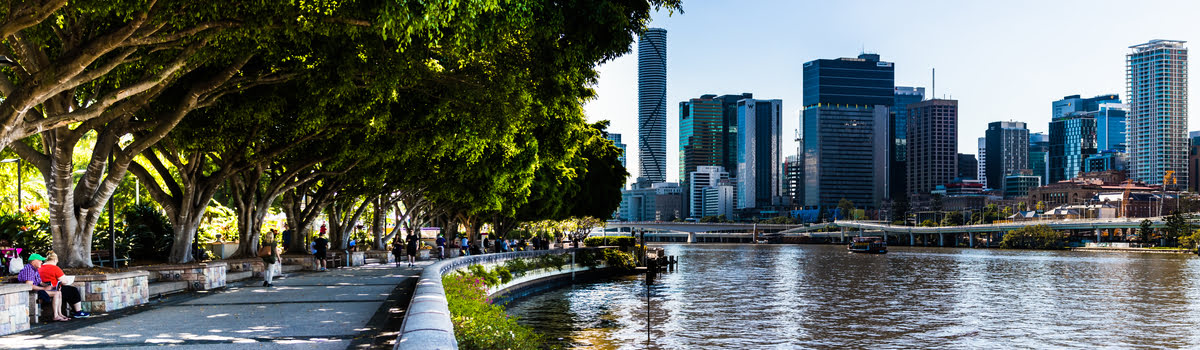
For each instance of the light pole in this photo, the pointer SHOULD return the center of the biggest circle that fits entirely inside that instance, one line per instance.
(18, 161)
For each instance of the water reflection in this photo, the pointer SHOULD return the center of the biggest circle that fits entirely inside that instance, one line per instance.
(787, 296)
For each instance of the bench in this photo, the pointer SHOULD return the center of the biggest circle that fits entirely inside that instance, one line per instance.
(37, 309)
(102, 257)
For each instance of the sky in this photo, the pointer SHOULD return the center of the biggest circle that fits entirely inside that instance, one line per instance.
(1002, 60)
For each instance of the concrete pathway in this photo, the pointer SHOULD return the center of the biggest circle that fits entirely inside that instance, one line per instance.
(338, 309)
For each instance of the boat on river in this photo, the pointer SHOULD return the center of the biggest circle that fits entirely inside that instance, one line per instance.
(869, 245)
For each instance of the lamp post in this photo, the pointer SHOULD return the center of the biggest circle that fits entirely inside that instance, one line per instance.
(18, 161)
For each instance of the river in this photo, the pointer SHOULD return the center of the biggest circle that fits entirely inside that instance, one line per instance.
(728, 296)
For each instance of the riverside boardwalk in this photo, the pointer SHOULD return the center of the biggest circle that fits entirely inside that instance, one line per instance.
(342, 308)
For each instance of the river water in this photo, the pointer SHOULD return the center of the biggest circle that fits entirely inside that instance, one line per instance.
(821, 296)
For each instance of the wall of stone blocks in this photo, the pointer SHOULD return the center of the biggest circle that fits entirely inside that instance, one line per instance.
(202, 276)
(14, 309)
(114, 291)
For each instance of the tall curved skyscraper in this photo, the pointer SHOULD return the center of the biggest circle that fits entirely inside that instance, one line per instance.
(652, 105)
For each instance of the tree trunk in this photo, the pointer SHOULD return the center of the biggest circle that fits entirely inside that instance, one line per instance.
(378, 216)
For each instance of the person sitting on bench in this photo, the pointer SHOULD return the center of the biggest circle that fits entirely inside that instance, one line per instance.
(29, 275)
(51, 274)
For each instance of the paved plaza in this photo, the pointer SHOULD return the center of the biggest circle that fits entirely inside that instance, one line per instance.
(338, 309)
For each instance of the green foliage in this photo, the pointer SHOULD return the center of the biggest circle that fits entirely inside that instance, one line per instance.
(478, 324)
(29, 232)
(622, 241)
(953, 218)
(1033, 237)
(718, 218)
(928, 223)
(150, 231)
(1190, 241)
(846, 209)
(1178, 226)
(1145, 230)
(619, 259)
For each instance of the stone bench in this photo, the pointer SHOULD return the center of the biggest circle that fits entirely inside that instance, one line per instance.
(17, 310)
(113, 291)
(306, 262)
(338, 259)
(201, 276)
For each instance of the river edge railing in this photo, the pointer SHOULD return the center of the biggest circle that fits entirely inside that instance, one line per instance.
(427, 323)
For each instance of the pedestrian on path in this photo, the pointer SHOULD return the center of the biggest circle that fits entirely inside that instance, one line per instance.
(270, 255)
(321, 248)
(441, 244)
(411, 249)
(465, 248)
(51, 274)
(397, 250)
(29, 275)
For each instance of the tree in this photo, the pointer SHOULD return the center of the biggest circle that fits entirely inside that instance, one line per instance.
(1033, 237)
(953, 218)
(846, 209)
(1145, 230)
(928, 223)
(1177, 225)
(1041, 206)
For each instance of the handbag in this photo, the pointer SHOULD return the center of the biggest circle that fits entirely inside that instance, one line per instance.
(15, 265)
(264, 251)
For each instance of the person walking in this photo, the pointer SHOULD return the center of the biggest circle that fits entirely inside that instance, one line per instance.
(411, 248)
(270, 255)
(441, 244)
(321, 250)
(465, 248)
(397, 250)
(29, 275)
(51, 274)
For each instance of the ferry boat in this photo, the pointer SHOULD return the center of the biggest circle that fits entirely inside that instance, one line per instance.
(871, 245)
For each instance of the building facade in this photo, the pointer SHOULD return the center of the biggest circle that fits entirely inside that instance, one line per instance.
(1007, 151)
(933, 140)
(845, 130)
(1039, 155)
(699, 180)
(898, 133)
(793, 180)
(760, 139)
(981, 174)
(1018, 186)
(616, 140)
(1156, 77)
(968, 167)
(1072, 141)
(652, 105)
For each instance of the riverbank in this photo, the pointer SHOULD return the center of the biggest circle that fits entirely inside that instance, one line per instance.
(1132, 250)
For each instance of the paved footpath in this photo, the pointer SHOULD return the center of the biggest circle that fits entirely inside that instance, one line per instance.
(338, 309)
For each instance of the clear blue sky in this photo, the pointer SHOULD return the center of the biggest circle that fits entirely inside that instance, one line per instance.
(1001, 59)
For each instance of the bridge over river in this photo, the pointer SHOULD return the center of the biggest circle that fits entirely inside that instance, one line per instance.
(986, 235)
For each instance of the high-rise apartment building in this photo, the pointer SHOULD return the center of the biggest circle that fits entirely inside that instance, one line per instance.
(759, 139)
(700, 134)
(898, 131)
(845, 127)
(1007, 151)
(933, 142)
(1039, 155)
(652, 105)
(704, 177)
(1156, 77)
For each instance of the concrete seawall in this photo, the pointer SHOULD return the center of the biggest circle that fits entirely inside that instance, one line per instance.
(427, 324)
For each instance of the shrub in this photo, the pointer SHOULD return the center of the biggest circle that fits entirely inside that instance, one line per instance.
(478, 324)
(622, 241)
(1033, 237)
(150, 231)
(26, 231)
(619, 260)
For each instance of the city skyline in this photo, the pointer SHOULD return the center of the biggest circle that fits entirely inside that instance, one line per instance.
(998, 71)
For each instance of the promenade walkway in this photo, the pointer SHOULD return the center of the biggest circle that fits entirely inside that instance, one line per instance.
(338, 309)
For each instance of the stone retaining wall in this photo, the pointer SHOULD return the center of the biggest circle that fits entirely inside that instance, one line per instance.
(427, 324)
(306, 261)
(254, 265)
(202, 276)
(384, 256)
(14, 307)
(114, 291)
(338, 259)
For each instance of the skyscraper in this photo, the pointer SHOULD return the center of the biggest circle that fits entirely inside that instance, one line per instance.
(793, 180)
(616, 139)
(1156, 76)
(1072, 140)
(704, 177)
(1110, 126)
(968, 167)
(760, 137)
(981, 174)
(933, 140)
(700, 134)
(898, 131)
(847, 105)
(1039, 155)
(652, 105)
(1007, 151)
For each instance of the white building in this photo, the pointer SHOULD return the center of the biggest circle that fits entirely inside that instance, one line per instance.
(699, 180)
(1156, 76)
